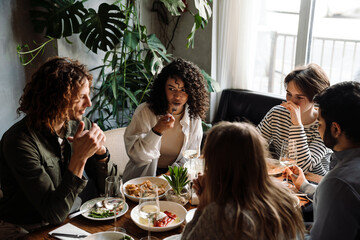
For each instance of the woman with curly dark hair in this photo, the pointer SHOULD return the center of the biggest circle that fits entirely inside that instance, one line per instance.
(169, 122)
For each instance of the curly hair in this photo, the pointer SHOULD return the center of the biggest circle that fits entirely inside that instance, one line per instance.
(195, 87)
(51, 91)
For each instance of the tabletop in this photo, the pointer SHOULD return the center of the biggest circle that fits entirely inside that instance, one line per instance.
(92, 226)
(125, 221)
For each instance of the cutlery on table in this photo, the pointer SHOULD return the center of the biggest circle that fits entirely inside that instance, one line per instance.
(97, 205)
(68, 235)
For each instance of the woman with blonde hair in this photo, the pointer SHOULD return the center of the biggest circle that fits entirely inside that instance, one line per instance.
(238, 200)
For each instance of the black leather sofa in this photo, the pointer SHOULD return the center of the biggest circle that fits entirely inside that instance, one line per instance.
(245, 105)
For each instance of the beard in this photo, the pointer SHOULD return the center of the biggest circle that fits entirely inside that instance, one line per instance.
(329, 140)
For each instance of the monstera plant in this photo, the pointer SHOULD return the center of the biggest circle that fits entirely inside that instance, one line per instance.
(132, 56)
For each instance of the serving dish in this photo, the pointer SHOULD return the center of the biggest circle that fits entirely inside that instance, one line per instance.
(155, 180)
(172, 207)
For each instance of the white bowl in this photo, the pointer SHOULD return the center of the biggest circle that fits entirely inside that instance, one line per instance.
(155, 180)
(107, 236)
(172, 207)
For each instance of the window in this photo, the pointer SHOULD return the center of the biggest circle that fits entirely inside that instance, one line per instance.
(297, 32)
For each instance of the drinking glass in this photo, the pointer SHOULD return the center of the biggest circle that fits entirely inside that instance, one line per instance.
(149, 206)
(114, 198)
(288, 155)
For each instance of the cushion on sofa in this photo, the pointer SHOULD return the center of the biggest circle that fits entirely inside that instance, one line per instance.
(245, 105)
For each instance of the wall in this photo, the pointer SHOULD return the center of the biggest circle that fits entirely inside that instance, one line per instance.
(15, 28)
(200, 54)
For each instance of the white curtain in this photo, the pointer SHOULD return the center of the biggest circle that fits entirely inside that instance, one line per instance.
(234, 41)
(233, 45)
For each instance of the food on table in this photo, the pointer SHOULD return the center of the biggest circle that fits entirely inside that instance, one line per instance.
(274, 170)
(164, 220)
(134, 189)
(103, 212)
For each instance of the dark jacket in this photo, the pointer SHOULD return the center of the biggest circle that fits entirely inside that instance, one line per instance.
(37, 185)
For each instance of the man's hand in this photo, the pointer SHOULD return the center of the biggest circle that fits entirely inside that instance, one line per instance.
(296, 174)
(85, 144)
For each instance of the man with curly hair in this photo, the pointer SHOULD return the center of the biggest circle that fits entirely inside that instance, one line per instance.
(168, 123)
(44, 156)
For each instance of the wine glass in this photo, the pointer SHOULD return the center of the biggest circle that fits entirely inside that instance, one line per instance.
(288, 155)
(149, 206)
(114, 198)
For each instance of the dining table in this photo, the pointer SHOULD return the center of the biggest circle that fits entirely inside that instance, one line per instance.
(126, 222)
(93, 226)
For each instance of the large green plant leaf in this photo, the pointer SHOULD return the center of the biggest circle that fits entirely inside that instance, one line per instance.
(204, 9)
(60, 18)
(102, 30)
(174, 6)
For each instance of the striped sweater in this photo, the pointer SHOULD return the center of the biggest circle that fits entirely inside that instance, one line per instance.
(277, 127)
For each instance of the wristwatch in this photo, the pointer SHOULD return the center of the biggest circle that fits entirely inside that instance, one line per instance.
(99, 157)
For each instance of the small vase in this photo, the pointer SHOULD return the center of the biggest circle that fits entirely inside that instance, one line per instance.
(182, 198)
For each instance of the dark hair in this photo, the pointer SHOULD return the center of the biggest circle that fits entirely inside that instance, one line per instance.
(311, 79)
(51, 91)
(341, 103)
(195, 87)
(235, 170)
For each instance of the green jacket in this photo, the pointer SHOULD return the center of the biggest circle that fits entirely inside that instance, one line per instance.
(37, 186)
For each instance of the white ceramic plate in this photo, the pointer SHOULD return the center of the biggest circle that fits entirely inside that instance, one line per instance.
(172, 207)
(107, 236)
(91, 203)
(156, 180)
(173, 237)
(190, 215)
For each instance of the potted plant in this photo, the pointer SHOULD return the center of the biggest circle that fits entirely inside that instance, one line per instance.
(132, 58)
(178, 181)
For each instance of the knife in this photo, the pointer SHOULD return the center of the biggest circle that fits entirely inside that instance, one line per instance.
(68, 235)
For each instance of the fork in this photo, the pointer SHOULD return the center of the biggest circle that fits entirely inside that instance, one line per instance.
(97, 205)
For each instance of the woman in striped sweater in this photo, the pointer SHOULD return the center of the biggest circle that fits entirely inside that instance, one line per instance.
(297, 119)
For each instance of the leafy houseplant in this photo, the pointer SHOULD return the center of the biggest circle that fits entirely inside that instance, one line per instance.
(132, 56)
(178, 181)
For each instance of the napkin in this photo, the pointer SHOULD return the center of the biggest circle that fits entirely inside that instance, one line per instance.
(69, 229)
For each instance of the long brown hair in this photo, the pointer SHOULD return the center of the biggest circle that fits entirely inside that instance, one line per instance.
(235, 171)
(51, 91)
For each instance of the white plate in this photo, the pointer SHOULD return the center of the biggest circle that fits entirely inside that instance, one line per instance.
(91, 203)
(173, 237)
(155, 180)
(172, 207)
(190, 215)
(107, 236)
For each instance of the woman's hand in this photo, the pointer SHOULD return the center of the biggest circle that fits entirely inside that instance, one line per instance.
(198, 184)
(295, 112)
(297, 175)
(165, 122)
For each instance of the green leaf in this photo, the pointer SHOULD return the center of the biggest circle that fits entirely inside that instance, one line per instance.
(102, 30)
(60, 18)
(131, 39)
(212, 84)
(204, 9)
(178, 178)
(174, 6)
